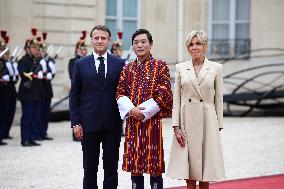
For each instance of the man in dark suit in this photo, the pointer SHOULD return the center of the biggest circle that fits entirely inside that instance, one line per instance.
(93, 109)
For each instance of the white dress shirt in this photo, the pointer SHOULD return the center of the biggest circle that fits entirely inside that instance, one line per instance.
(97, 61)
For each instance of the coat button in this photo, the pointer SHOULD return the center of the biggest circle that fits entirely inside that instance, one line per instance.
(189, 100)
(201, 100)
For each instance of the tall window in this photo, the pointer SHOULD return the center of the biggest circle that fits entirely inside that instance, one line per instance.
(229, 27)
(122, 16)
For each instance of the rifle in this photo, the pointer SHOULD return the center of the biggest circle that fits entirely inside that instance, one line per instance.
(129, 53)
(19, 55)
(13, 56)
(57, 52)
(3, 52)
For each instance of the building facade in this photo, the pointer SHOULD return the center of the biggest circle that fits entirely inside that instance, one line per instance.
(234, 26)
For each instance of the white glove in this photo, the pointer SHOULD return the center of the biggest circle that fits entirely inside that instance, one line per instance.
(42, 62)
(52, 67)
(40, 75)
(6, 77)
(49, 76)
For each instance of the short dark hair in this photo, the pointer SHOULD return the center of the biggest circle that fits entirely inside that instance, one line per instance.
(143, 31)
(101, 27)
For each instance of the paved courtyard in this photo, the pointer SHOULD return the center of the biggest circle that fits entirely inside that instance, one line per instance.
(252, 147)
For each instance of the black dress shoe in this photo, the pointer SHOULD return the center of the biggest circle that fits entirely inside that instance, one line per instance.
(26, 144)
(2, 143)
(39, 139)
(47, 138)
(33, 143)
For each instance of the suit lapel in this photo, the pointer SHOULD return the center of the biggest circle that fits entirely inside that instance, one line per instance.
(92, 65)
(190, 71)
(92, 69)
(109, 69)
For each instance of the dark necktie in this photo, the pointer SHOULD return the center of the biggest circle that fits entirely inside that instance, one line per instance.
(101, 71)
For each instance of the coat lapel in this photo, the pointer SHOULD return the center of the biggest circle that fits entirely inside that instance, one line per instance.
(204, 70)
(191, 73)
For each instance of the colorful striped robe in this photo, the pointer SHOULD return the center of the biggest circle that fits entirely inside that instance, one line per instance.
(143, 148)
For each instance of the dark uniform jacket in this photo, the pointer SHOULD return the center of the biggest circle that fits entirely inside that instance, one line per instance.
(7, 89)
(29, 90)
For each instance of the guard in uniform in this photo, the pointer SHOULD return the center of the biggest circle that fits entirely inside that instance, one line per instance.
(4, 87)
(30, 92)
(11, 93)
(80, 52)
(48, 68)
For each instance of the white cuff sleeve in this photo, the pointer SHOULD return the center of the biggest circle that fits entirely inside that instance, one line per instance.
(151, 108)
(124, 106)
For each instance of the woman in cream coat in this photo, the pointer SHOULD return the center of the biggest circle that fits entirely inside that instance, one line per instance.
(197, 118)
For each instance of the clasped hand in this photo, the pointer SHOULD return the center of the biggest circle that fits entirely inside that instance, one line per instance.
(136, 113)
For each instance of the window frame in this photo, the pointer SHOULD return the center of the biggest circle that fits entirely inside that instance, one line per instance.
(119, 18)
(231, 23)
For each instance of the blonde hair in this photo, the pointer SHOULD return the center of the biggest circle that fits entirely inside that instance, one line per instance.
(201, 36)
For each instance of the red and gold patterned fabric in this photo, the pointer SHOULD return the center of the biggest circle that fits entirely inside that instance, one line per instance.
(143, 147)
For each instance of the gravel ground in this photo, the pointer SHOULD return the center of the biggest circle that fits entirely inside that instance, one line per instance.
(252, 147)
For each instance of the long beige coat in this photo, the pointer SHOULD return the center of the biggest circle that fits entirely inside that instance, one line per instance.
(198, 111)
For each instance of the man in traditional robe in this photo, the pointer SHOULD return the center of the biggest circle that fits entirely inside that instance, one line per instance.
(144, 97)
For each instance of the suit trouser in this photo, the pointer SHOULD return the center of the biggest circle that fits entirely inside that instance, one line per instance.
(91, 153)
(10, 116)
(30, 120)
(3, 118)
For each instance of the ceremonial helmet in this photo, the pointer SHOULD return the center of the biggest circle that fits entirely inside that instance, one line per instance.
(42, 42)
(4, 40)
(81, 43)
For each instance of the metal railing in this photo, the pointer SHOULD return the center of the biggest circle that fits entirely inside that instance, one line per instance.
(228, 48)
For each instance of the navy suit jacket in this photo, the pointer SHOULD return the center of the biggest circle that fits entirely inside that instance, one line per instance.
(90, 105)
